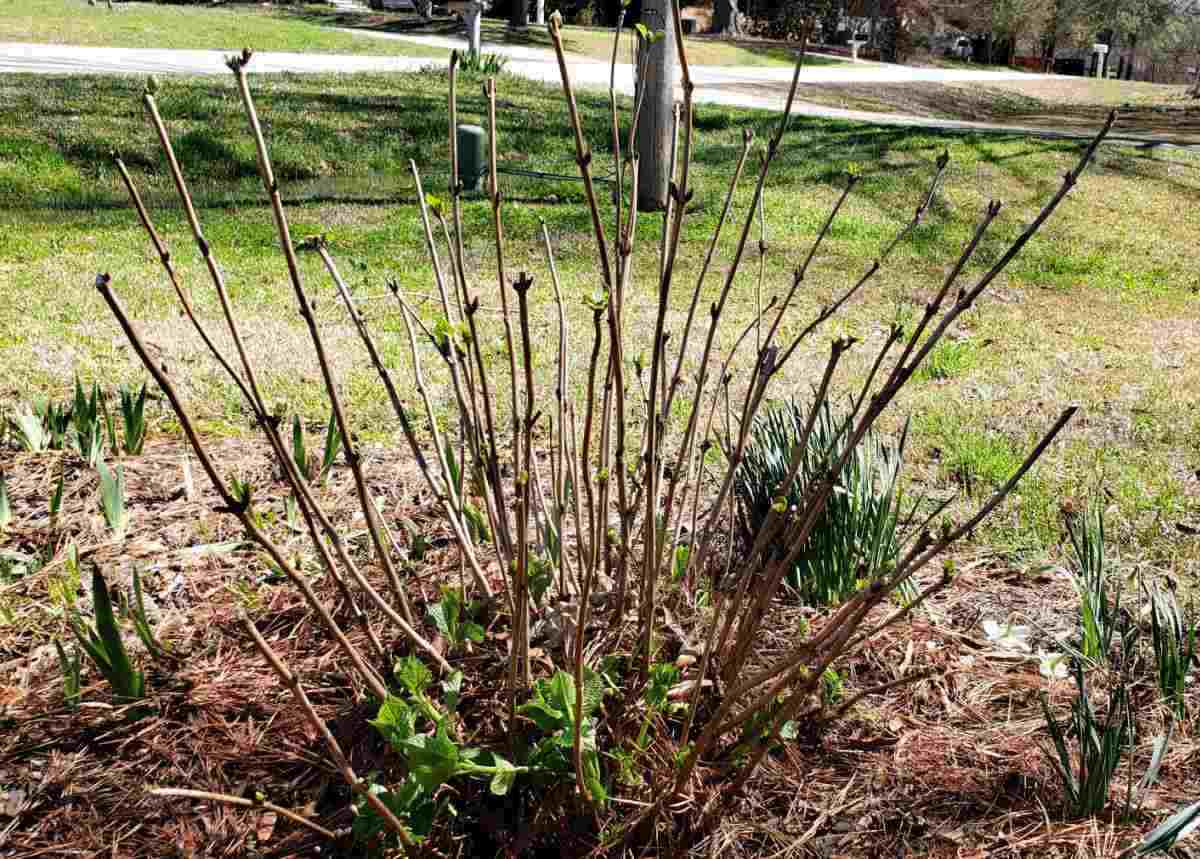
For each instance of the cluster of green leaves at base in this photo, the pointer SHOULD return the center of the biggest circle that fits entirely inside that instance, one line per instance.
(315, 470)
(421, 731)
(84, 424)
(1104, 622)
(104, 646)
(663, 675)
(1101, 746)
(1087, 752)
(552, 710)
(858, 529)
(454, 620)
(482, 65)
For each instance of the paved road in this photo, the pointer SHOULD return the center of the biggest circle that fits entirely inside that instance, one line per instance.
(714, 84)
(69, 59)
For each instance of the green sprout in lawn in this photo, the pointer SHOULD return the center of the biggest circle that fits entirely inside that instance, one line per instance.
(1086, 773)
(133, 415)
(6, 514)
(112, 498)
(103, 645)
(87, 416)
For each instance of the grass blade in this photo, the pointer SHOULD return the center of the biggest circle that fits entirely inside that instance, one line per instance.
(127, 683)
(72, 687)
(6, 514)
(299, 448)
(112, 498)
(333, 443)
(1163, 837)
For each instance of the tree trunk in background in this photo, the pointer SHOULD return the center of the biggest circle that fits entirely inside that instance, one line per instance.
(519, 16)
(725, 17)
(655, 122)
(889, 30)
(1049, 46)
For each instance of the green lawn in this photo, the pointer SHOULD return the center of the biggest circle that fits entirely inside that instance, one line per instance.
(1099, 309)
(313, 28)
(597, 43)
(594, 43)
(150, 25)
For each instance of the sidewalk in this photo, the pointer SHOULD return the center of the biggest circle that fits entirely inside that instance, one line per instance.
(714, 84)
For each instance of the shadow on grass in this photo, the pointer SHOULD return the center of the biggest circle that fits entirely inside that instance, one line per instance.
(1175, 122)
(352, 138)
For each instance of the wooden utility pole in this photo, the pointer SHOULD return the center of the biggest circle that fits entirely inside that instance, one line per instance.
(655, 122)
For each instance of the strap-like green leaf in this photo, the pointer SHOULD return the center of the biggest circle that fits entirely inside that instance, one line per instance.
(1163, 837)
(126, 682)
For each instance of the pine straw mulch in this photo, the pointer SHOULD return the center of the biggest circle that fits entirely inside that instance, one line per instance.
(949, 767)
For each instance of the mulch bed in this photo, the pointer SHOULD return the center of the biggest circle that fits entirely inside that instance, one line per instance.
(948, 767)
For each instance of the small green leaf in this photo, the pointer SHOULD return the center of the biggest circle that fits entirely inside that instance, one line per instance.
(69, 665)
(333, 444)
(6, 514)
(547, 718)
(663, 676)
(682, 553)
(561, 694)
(412, 674)
(439, 614)
(506, 775)
(395, 721)
(592, 778)
(432, 760)
(593, 691)
(112, 498)
(409, 802)
(452, 690)
(473, 631)
(56, 498)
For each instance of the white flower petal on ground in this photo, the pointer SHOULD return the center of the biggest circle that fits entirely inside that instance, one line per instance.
(1008, 636)
(1052, 665)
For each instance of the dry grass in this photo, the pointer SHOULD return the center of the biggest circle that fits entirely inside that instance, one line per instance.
(1062, 104)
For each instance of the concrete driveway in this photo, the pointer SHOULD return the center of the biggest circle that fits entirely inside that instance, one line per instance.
(755, 87)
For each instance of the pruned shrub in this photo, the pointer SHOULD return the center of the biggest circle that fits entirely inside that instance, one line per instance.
(589, 502)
